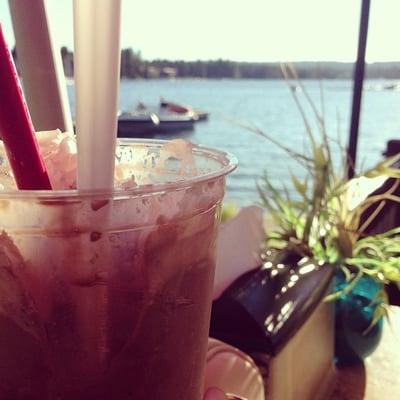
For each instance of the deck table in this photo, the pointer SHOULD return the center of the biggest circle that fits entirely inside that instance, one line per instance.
(378, 377)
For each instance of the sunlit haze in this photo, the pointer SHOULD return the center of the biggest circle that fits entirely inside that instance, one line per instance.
(254, 30)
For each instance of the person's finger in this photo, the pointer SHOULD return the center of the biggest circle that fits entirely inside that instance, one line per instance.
(217, 394)
(214, 394)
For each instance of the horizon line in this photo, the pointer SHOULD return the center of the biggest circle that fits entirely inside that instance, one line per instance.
(303, 61)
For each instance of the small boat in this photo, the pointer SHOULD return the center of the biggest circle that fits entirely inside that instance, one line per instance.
(145, 123)
(198, 115)
(395, 87)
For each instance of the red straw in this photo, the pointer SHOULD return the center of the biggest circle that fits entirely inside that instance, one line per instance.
(16, 127)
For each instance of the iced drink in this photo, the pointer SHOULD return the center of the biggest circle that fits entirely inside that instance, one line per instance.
(106, 296)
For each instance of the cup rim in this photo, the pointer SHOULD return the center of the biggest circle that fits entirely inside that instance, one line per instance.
(227, 161)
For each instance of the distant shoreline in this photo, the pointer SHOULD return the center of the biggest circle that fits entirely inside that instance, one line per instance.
(134, 67)
(395, 81)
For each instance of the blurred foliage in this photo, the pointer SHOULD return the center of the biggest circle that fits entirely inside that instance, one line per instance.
(229, 210)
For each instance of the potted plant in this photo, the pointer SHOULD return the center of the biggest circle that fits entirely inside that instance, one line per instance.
(323, 217)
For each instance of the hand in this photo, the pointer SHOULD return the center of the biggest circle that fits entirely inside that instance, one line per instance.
(216, 394)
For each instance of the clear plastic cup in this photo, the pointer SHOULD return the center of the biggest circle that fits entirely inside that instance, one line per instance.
(108, 295)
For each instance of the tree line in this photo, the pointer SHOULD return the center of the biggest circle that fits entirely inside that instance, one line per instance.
(133, 66)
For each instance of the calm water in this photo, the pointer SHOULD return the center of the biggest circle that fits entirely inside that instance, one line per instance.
(268, 104)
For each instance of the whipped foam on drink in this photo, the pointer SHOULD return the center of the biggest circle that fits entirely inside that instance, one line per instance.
(60, 155)
(59, 151)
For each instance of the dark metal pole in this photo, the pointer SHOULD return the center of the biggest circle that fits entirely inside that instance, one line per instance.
(357, 88)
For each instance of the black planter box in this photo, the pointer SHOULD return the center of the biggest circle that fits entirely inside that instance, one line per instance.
(263, 309)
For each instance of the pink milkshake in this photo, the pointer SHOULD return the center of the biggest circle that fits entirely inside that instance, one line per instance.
(107, 295)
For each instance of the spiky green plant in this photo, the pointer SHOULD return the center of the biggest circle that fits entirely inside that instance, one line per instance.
(318, 221)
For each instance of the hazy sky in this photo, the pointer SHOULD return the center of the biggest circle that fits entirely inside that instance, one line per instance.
(250, 30)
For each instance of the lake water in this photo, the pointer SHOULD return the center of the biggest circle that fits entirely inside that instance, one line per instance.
(269, 105)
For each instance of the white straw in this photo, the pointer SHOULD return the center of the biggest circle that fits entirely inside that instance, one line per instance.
(39, 61)
(97, 68)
